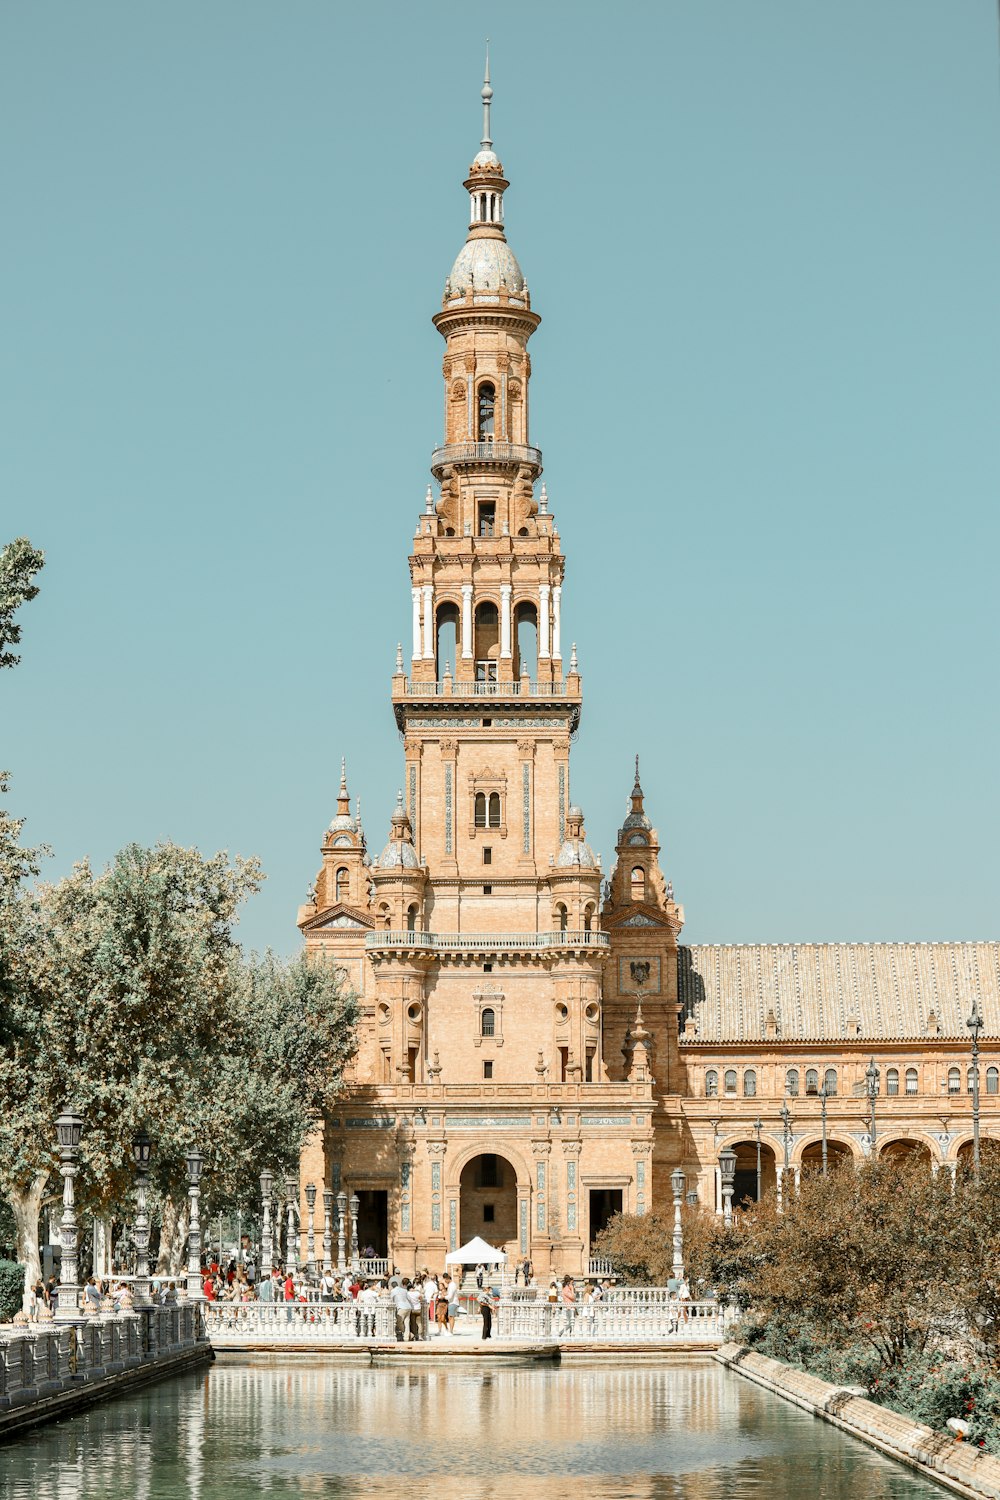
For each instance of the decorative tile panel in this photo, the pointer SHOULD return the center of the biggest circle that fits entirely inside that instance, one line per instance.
(448, 809)
(526, 807)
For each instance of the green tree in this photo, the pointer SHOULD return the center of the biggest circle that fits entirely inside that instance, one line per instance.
(19, 563)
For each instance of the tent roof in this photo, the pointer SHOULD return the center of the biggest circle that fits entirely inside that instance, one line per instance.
(475, 1253)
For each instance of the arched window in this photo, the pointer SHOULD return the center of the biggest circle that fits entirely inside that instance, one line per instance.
(494, 810)
(561, 915)
(446, 638)
(911, 1080)
(487, 1022)
(588, 919)
(526, 640)
(411, 919)
(711, 1084)
(487, 645)
(812, 1081)
(749, 1084)
(730, 1080)
(487, 411)
(637, 887)
(792, 1083)
(343, 884)
(993, 1081)
(892, 1081)
(954, 1080)
(968, 1078)
(480, 809)
(830, 1081)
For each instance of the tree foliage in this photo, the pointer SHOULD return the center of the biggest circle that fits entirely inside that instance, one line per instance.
(19, 563)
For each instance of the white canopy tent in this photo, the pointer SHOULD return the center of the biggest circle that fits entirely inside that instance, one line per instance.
(476, 1253)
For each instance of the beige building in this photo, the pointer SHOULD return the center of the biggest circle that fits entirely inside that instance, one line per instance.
(537, 1051)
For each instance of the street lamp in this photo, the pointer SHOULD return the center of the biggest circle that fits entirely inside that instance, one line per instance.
(677, 1187)
(142, 1151)
(975, 1025)
(355, 1257)
(311, 1232)
(341, 1212)
(822, 1105)
(266, 1244)
(758, 1126)
(786, 1136)
(195, 1290)
(292, 1197)
(69, 1126)
(871, 1088)
(327, 1231)
(727, 1166)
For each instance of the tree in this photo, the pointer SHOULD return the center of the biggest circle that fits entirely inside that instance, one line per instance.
(19, 562)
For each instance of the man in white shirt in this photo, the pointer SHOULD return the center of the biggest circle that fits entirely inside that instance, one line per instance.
(367, 1303)
(400, 1294)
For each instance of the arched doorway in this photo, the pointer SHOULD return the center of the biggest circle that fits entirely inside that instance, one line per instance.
(988, 1146)
(745, 1181)
(488, 1200)
(837, 1155)
(904, 1149)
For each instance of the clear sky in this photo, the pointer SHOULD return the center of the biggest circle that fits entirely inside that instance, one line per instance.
(763, 240)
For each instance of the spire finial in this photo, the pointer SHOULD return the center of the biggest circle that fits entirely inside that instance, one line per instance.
(487, 142)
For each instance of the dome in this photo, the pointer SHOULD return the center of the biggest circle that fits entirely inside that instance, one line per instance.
(576, 853)
(484, 265)
(636, 820)
(342, 823)
(398, 854)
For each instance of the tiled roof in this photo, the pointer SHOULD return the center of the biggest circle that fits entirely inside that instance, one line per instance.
(834, 991)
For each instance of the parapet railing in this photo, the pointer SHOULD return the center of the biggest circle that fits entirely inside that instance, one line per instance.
(624, 1315)
(277, 1323)
(494, 941)
(42, 1359)
(490, 453)
(456, 687)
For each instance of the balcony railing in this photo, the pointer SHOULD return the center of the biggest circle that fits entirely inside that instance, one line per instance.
(487, 941)
(455, 688)
(486, 453)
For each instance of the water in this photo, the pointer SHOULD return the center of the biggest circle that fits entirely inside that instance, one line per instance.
(686, 1430)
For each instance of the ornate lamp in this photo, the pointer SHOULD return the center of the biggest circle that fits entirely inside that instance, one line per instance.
(142, 1151)
(677, 1188)
(311, 1230)
(195, 1291)
(69, 1127)
(727, 1166)
(266, 1243)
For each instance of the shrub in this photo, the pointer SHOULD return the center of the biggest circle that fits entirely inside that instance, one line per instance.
(933, 1387)
(11, 1289)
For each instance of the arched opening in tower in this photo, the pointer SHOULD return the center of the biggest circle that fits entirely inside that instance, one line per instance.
(446, 639)
(486, 412)
(488, 1200)
(487, 641)
(526, 637)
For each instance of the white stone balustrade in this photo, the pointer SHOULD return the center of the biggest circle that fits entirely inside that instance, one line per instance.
(278, 1323)
(626, 1315)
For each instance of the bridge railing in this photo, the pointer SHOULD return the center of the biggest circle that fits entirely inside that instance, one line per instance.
(627, 1315)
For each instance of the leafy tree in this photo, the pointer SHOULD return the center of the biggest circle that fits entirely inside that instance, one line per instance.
(19, 562)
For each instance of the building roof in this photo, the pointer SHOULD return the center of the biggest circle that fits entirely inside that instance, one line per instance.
(790, 992)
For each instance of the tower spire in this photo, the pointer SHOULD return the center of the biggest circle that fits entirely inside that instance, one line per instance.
(487, 141)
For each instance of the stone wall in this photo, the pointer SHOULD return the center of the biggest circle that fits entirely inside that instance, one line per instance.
(961, 1467)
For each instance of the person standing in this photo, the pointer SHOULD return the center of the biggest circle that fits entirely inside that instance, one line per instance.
(401, 1302)
(486, 1305)
(441, 1307)
(454, 1308)
(416, 1301)
(480, 1274)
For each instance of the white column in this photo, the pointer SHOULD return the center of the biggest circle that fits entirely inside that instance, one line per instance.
(505, 619)
(467, 621)
(429, 621)
(543, 621)
(556, 621)
(415, 592)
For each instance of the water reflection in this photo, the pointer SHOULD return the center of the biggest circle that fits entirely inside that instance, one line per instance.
(683, 1431)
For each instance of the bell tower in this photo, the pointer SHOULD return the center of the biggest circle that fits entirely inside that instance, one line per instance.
(487, 708)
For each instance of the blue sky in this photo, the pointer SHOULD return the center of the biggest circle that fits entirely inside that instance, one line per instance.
(763, 240)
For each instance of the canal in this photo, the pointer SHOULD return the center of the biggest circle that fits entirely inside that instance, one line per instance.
(457, 1430)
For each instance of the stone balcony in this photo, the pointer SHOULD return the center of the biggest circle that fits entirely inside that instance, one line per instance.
(489, 455)
(404, 941)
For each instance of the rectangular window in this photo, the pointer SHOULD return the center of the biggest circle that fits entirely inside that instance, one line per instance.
(589, 1072)
(487, 517)
(488, 1172)
(489, 1213)
(487, 890)
(563, 1063)
(487, 968)
(487, 1070)
(487, 856)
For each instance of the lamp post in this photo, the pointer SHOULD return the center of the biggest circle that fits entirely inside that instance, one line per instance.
(266, 1243)
(68, 1129)
(871, 1088)
(677, 1187)
(195, 1290)
(311, 1231)
(758, 1126)
(142, 1150)
(355, 1257)
(727, 1166)
(327, 1232)
(786, 1136)
(822, 1105)
(341, 1212)
(975, 1025)
(292, 1203)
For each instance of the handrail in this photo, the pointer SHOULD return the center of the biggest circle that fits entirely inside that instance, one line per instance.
(497, 453)
(454, 687)
(400, 938)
